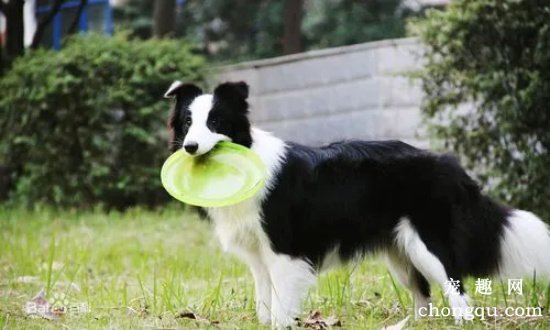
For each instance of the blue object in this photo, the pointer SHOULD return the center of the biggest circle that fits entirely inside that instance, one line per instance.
(57, 28)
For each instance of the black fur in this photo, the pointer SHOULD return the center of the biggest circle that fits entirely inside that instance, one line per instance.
(352, 195)
(230, 111)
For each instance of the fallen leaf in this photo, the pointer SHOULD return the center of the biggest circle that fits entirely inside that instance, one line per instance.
(398, 326)
(194, 316)
(316, 321)
(363, 302)
(143, 311)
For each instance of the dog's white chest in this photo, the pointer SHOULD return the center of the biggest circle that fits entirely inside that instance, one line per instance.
(238, 227)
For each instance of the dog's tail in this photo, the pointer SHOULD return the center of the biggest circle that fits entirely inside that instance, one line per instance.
(525, 247)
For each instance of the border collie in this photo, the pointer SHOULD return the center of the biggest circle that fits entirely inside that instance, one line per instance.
(324, 206)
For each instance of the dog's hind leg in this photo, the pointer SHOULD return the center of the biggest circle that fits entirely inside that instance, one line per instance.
(433, 269)
(402, 269)
(290, 278)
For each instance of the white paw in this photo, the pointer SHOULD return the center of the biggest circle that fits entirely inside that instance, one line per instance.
(460, 307)
(281, 320)
(263, 313)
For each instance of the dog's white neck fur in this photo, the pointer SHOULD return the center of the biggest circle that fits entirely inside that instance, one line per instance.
(239, 226)
(271, 151)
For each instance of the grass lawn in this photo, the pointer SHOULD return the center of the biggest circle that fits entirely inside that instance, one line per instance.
(146, 269)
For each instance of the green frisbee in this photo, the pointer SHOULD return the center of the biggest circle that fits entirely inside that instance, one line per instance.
(227, 175)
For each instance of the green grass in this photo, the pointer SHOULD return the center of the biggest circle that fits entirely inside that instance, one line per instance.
(141, 269)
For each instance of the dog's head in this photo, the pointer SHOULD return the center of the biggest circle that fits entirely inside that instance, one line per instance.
(199, 121)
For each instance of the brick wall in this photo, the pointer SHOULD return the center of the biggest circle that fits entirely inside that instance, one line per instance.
(352, 92)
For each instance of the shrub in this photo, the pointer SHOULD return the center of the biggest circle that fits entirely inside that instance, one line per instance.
(495, 55)
(86, 124)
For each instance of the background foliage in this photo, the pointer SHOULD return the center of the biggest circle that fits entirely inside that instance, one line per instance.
(338, 23)
(229, 30)
(86, 124)
(494, 54)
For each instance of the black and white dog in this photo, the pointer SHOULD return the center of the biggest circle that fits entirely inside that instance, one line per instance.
(328, 205)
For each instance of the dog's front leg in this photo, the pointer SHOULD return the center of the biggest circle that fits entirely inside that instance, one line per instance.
(262, 284)
(290, 279)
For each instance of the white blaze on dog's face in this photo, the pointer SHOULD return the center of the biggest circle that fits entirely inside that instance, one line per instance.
(199, 121)
(201, 134)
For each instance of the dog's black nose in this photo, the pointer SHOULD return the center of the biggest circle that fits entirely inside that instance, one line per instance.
(191, 147)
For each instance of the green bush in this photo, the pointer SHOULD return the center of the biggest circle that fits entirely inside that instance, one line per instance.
(87, 124)
(495, 55)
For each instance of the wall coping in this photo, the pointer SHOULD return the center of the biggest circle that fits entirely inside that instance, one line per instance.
(316, 54)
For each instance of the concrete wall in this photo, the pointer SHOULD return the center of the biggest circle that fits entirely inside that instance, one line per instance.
(353, 92)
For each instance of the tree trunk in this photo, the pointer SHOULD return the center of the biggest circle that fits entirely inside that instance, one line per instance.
(76, 21)
(164, 18)
(292, 21)
(15, 29)
(44, 22)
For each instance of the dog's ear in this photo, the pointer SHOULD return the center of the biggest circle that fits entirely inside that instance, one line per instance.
(232, 91)
(180, 90)
(184, 95)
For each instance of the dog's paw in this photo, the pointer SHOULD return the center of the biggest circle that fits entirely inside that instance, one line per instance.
(460, 306)
(282, 321)
(264, 315)
(263, 312)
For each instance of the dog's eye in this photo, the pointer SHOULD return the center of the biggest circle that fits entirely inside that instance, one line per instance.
(188, 121)
(214, 122)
